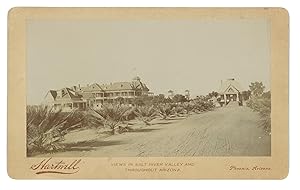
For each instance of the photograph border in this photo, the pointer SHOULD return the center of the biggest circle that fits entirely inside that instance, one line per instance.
(21, 167)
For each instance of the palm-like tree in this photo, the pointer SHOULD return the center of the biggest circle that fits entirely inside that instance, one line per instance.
(145, 114)
(165, 111)
(188, 107)
(112, 115)
(46, 127)
(178, 110)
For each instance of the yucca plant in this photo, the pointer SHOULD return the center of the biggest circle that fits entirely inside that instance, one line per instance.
(112, 115)
(46, 127)
(165, 110)
(145, 114)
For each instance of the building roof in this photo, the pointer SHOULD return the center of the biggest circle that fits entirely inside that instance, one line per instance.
(226, 84)
(64, 93)
(72, 94)
(124, 86)
(136, 84)
(92, 87)
(53, 93)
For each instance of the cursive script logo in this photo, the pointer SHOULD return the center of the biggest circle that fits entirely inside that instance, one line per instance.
(56, 166)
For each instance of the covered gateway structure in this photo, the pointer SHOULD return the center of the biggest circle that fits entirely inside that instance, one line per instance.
(230, 91)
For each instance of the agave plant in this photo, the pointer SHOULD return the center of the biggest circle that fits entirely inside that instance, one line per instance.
(145, 114)
(165, 110)
(46, 127)
(112, 115)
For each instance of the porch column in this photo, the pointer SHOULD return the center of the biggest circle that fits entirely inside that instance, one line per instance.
(237, 97)
(225, 99)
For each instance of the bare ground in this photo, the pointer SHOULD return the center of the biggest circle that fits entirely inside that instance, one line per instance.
(229, 131)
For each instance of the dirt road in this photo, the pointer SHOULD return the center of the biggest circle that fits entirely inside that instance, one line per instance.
(229, 131)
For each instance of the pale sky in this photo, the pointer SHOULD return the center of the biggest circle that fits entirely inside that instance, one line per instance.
(177, 55)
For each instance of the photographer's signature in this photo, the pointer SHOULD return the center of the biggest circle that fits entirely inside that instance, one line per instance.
(60, 166)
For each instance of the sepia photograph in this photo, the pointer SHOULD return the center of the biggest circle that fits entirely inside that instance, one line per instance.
(148, 88)
(148, 93)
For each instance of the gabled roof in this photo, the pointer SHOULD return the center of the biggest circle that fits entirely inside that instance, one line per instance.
(53, 93)
(73, 94)
(92, 87)
(67, 93)
(139, 85)
(64, 94)
(230, 84)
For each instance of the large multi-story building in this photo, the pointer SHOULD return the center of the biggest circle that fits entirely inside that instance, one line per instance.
(95, 95)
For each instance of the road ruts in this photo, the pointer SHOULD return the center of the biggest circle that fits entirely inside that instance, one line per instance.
(229, 131)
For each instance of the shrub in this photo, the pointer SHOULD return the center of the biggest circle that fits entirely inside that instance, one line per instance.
(262, 105)
(202, 106)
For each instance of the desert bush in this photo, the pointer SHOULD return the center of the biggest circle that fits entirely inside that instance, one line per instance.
(112, 115)
(46, 127)
(145, 114)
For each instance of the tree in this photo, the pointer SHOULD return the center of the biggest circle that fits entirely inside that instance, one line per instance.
(112, 115)
(257, 88)
(246, 94)
(179, 98)
(188, 107)
(145, 114)
(159, 99)
(47, 126)
(142, 100)
(213, 94)
(267, 95)
(165, 111)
